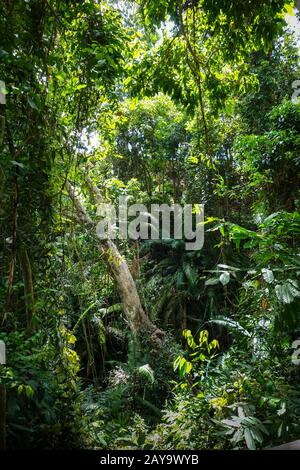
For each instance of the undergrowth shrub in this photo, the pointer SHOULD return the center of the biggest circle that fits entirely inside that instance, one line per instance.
(43, 400)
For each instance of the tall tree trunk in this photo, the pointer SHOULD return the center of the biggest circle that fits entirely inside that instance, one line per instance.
(135, 315)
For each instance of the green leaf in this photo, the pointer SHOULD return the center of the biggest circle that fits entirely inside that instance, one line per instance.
(227, 267)
(29, 392)
(184, 367)
(225, 278)
(287, 291)
(212, 282)
(268, 275)
(237, 436)
(289, 8)
(147, 372)
(176, 363)
(81, 86)
(14, 162)
(187, 334)
(232, 422)
(249, 439)
(34, 103)
(191, 273)
(203, 337)
(230, 324)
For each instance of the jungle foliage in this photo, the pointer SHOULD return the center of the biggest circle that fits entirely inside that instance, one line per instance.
(143, 344)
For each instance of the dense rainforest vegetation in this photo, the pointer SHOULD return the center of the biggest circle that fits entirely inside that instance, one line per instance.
(123, 343)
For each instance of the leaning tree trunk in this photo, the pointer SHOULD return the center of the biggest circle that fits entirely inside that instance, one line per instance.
(135, 315)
